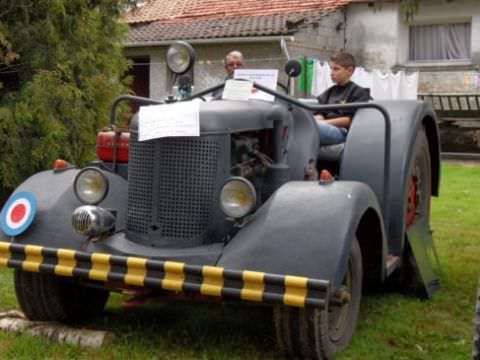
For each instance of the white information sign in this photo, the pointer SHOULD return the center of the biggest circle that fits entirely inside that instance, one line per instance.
(265, 77)
(178, 119)
(237, 90)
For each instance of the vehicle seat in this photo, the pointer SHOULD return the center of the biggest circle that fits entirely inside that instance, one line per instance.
(331, 152)
(329, 158)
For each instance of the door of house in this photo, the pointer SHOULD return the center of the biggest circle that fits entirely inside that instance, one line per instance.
(140, 71)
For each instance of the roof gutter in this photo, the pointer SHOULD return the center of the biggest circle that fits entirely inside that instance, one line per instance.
(229, 40)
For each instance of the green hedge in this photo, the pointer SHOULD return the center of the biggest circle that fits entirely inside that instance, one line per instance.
(61, 65)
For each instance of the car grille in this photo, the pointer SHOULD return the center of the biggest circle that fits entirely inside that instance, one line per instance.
(140, 184)
(173, 184)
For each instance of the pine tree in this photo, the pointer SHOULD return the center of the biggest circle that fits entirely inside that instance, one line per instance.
(61, 65)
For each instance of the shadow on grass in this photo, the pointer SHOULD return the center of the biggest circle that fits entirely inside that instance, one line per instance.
(232, 330)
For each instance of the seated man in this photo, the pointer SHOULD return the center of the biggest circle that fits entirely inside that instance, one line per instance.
(232, 61)
(333, 125)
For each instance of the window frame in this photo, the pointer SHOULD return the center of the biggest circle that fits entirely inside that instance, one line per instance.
(439, 62)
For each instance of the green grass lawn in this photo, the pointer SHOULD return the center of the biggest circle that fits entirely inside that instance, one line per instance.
(391, 325)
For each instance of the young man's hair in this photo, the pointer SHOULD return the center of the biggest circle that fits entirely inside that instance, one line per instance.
(344, 59)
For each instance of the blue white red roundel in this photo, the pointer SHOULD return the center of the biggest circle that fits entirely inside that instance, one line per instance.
(18, 213)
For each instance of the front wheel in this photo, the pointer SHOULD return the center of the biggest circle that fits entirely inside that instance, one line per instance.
(313, 333)
(45, 297)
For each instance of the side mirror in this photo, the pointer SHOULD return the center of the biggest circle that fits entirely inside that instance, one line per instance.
(293, 68)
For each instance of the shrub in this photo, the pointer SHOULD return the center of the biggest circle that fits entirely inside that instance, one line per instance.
(61, 65)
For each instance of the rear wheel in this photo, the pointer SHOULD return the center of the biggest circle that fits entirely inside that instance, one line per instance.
(417, 204)
(45, 297)
(319, 334)
(419, 183)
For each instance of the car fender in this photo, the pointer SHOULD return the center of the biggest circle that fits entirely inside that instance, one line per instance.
(363, 157)
(304, 229)
(56, 201)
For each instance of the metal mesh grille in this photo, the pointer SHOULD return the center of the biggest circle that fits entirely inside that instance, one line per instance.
(186, 185)
(140, 185)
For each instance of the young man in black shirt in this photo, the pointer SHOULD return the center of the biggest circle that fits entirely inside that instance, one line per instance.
(333, 125)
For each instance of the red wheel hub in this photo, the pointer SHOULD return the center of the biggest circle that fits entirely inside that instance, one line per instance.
(412, 202)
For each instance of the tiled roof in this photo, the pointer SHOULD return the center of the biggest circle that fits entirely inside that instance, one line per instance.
(154, 10)
(160, 20)
(217, 28)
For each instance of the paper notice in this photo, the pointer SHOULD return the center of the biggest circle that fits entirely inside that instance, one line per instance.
(237, 90)
(178, 119)
(265, 77)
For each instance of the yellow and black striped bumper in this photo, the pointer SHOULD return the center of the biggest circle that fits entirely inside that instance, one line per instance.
(168, 275)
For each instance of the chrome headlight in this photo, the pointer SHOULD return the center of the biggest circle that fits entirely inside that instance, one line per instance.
(238, 197)
(90, 186)
(180, 57)
(92, 220)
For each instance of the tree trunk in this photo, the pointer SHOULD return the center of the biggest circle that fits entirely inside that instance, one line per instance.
(14, 321)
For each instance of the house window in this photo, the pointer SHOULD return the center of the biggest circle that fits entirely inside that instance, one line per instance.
(440, 42)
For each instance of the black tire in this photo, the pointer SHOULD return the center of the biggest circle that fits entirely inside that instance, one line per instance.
(419, 178)
(309, 333)
(45, 297)
(476, 329)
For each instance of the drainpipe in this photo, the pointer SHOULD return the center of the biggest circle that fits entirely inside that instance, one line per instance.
(284, 47)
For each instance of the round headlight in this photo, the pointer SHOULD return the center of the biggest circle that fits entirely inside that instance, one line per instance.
(90, 186)
(238, 197)
(180, 57)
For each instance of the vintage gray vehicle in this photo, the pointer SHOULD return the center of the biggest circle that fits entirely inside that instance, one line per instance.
(240, 212)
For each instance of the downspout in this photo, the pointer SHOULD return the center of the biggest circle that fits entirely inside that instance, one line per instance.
(284, 47)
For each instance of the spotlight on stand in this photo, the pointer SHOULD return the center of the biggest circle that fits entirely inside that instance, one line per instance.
(180, 63)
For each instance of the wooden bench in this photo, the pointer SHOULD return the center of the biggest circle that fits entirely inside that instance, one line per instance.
(458, 119)
(454, 107)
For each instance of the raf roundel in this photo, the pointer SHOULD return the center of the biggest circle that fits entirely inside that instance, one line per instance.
(18, 213)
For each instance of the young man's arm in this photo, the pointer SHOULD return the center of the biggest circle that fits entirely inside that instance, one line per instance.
(322, 100)
(342, 121)
(359, 95)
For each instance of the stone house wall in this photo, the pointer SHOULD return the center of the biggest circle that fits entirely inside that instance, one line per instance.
(319, 41)
(380, 39)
